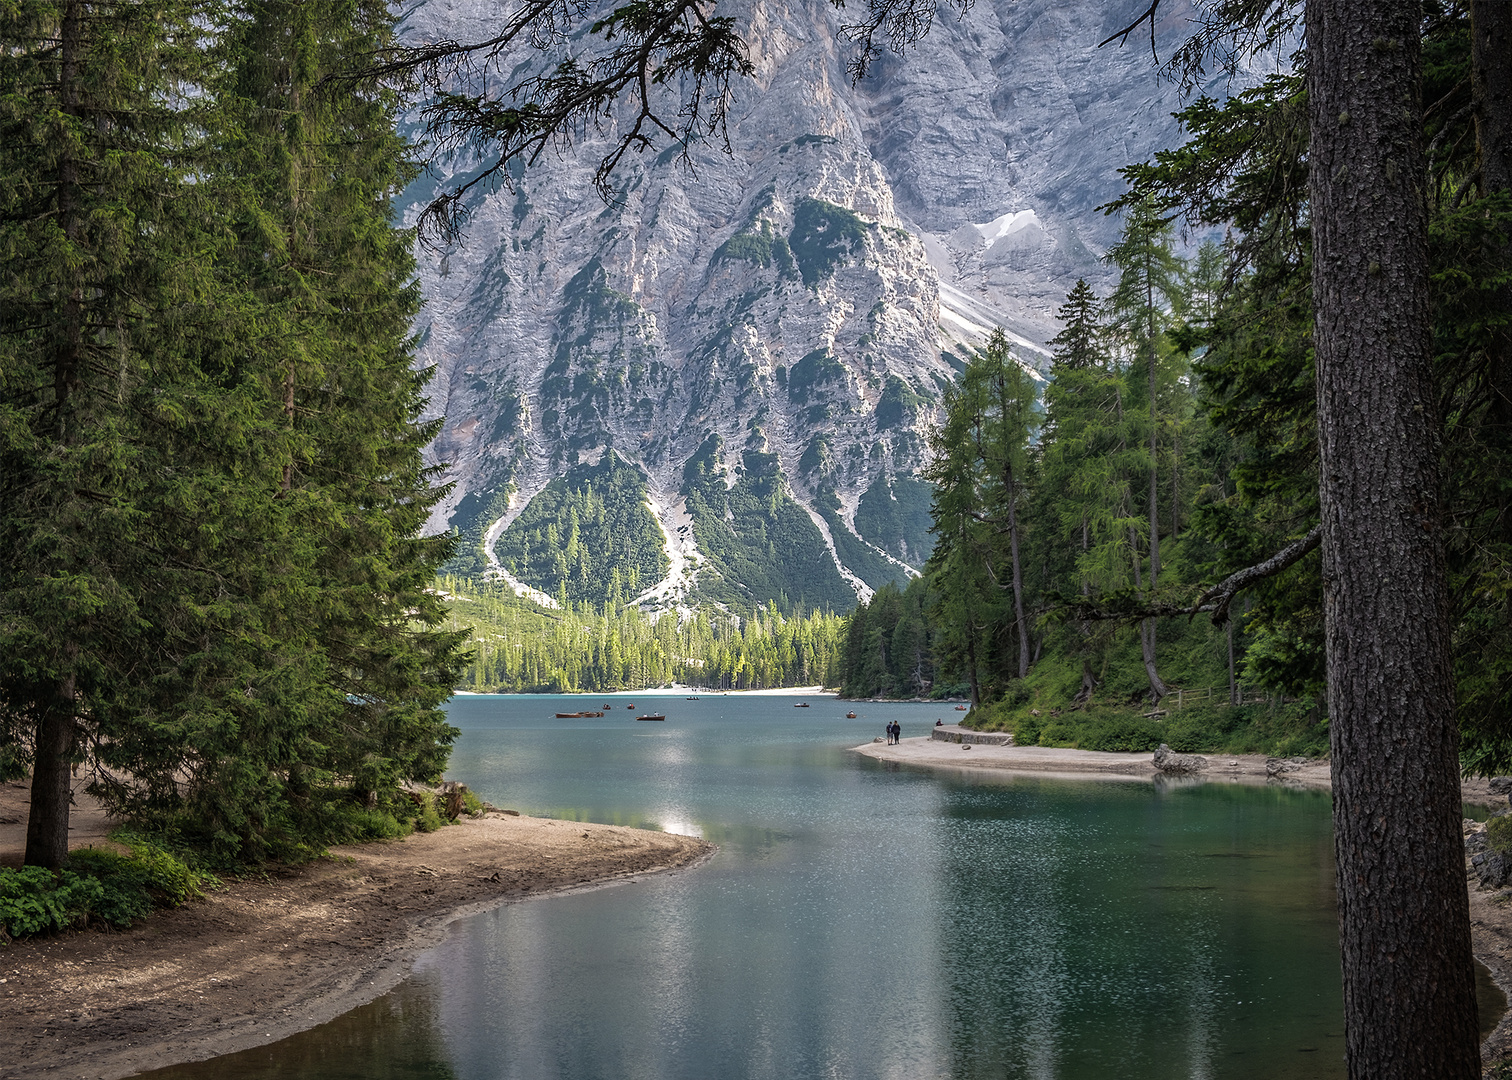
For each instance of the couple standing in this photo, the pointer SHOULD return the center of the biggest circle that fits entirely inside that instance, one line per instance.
(894, 732)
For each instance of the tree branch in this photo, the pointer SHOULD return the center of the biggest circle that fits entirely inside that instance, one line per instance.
(1125, 607)
(1123, 35)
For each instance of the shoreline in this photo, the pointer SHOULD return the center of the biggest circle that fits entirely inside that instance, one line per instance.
(667, 691)
(930, 753)
(264, 958)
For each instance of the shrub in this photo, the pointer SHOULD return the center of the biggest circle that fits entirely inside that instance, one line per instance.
(428, 819)
(1027, 731)
(1499, 833)
(471, 803)
(97, 884)
(1121, 734)
(35, 900)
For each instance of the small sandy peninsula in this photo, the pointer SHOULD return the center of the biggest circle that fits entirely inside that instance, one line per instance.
(265, 957)
(937, 754)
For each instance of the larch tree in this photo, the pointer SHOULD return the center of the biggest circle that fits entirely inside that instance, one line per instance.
(1150, 289)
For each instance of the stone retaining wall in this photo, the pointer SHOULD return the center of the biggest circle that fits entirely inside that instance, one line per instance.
(957, 734)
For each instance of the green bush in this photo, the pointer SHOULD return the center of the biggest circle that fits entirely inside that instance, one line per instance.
(34, 900)
(427, 819)
(1121, 734)
(1499, 834)
(99, 885)
(471, 803)
(1027, 731)
(348, 823)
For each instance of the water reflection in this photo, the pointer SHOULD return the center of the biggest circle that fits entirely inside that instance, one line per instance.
(400, 1036)
(865, 921)
(1101, 930)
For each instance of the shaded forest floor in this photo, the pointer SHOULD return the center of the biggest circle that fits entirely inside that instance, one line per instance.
(270, 955)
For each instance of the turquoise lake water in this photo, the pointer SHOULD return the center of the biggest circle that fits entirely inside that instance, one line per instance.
(861, 920)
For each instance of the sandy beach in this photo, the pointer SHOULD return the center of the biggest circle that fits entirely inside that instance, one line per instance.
(1228, 768)
(265, 957)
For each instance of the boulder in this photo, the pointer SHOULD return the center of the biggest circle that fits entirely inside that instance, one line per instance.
(1501, 785)
(1167, 760)
(1281, 766)
(1493, 868)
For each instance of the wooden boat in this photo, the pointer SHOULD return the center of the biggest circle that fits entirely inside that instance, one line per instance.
(690, 699)
(850, 716)
(652, 716)
(576, 715)
(960, 708)
(801, 705)
(629, 706)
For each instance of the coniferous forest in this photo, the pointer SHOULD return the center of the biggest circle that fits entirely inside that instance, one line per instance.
(213, 590)
(1150, 540)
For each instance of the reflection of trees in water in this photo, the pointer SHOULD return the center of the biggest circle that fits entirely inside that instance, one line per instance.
(397, 1037)
(1135, 930)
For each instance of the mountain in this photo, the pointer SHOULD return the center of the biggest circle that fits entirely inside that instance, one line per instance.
(745, 354)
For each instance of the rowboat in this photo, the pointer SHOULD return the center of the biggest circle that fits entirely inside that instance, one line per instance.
(801, 705)
(651, 716)
(850, 716)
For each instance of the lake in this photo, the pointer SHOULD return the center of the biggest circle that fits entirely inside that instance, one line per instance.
(861, 920)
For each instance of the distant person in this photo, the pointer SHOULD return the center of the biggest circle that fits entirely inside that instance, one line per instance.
(897, 732)
(889, 733)
(939, 723)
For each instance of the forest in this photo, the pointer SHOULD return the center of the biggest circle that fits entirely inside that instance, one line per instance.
(215, 602)
(1083, 551)
(518, 647)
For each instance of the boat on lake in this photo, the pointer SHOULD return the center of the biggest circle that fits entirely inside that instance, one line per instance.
(652, 716)
(629, 706)
(800, 705)
(850, 716)
(576, 715)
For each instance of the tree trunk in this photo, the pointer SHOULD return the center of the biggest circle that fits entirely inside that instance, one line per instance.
(1018, 582)
(52, 789)
(1233, 686)
(52, 782)
(1409, 990)
(1491, 86)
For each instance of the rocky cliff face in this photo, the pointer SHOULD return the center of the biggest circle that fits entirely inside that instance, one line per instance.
(766, 335)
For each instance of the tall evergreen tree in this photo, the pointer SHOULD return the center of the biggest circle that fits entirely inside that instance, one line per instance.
(1149, 293)
(105, 293)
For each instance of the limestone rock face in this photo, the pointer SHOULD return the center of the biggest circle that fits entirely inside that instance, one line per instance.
(785, 316)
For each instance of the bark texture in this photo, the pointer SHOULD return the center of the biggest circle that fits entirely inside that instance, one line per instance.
(1409, 995)
(52, 763)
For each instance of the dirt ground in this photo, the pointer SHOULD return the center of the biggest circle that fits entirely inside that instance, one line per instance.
(265, 957)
